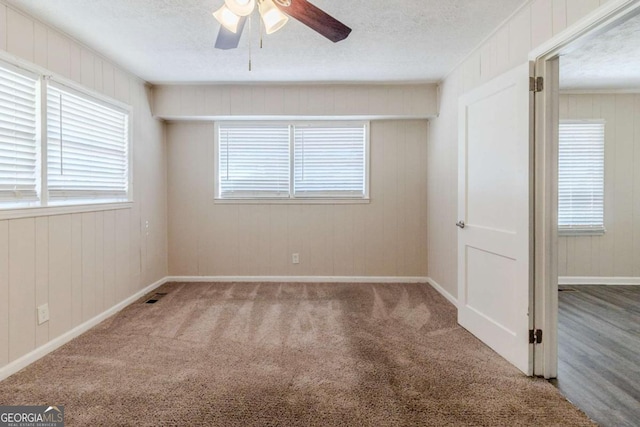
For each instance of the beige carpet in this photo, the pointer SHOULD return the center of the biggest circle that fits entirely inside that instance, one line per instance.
(287, 355)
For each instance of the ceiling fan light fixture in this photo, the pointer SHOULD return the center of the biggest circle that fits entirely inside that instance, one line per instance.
(227, 18)
(241, 7)
(272, 17)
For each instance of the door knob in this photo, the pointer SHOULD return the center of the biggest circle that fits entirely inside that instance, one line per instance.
(460, 224)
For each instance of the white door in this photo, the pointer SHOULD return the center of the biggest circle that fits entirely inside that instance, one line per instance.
(494, 189)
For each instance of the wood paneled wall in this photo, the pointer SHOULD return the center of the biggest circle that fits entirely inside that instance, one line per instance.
(387, 237)
(617, 252)
(85, 263)
(232, 101)
(509, 46)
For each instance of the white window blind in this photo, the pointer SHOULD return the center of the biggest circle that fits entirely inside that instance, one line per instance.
(253, 161)
(329, 161)
(581, 177)
(18, 145)
(87, 148)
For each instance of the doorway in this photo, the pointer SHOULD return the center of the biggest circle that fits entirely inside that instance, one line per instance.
(599, 225)
(588, 215)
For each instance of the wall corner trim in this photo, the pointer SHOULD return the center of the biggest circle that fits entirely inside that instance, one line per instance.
(29, 358)
(593, 280)
(453, 300)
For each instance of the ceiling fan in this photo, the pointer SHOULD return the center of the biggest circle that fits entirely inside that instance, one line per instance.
(274, 13)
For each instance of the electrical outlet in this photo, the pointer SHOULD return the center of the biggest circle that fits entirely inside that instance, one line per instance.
(43, 314)
(146, 227)
(295, 258)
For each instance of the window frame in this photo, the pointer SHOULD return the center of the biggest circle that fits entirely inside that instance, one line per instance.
(42, 207)
(292, 199)
(585, 230)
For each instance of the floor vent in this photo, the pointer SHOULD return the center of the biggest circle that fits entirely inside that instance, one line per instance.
(155, 298)
(567, 290)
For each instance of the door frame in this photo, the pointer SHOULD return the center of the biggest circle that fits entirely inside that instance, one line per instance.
(545, 200)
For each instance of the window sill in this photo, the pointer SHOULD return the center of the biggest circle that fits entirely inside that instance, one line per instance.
(576, 232)
(291, 201)
(38, 211)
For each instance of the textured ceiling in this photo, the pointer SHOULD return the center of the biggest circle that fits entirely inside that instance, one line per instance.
(608, 61)
(172, 40)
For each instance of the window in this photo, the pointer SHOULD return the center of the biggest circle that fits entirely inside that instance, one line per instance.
(18, 130)
(87, 148)
(329, 161)
(59, 145)
(292, 160)
(581, 177)
(253, 161)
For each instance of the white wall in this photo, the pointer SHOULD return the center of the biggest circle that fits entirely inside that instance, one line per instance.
(509, 46)
(617, 252)
(279, 100)
(84, 263)
(384, 238)
(387, 237)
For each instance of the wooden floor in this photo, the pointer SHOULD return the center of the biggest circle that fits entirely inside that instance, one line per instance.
(599, 352)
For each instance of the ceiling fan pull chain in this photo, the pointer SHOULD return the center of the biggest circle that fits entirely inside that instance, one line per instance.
(261, 31)
(250, 37)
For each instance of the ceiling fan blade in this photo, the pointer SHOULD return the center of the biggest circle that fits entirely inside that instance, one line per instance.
(316, 19)
(228, 39)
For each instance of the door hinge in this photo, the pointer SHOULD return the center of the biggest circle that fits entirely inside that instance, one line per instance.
(535, 336)
(536, 84)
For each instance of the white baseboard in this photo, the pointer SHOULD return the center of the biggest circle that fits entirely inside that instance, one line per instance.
(316, 279)
(453, 300)
(619, 281)
(298, 279)
(55, 343)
